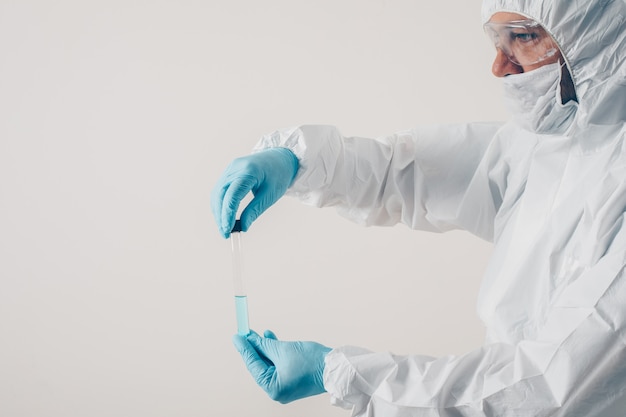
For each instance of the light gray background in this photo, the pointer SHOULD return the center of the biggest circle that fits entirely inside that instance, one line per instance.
(116, 119)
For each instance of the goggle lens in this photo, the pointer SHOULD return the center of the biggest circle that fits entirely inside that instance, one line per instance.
(524, 42)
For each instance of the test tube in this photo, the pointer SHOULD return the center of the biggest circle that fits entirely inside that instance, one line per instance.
(241, 298)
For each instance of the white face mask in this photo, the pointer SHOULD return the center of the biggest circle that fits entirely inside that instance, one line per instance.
(534, 100)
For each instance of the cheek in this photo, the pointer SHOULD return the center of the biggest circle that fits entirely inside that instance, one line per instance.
(548, 61)
(528, 68)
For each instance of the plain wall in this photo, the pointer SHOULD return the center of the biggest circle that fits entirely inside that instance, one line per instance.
(116, 120)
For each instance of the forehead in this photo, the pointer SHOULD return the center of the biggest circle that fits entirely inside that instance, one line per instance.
(503, 17)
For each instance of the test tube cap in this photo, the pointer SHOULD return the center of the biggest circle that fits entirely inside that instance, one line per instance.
(237, 226)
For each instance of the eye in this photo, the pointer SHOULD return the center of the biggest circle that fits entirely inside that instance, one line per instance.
(524, 37)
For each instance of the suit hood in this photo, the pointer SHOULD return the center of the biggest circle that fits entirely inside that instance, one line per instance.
(592, 37)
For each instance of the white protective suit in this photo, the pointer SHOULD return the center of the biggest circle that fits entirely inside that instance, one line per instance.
(554, 295)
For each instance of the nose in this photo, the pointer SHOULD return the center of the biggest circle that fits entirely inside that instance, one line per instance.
(502, 65)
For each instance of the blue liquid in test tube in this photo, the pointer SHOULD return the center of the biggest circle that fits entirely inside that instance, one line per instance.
(241, 298)
(241, 305)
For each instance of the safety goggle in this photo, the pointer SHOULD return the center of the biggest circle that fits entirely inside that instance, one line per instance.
(524, 42)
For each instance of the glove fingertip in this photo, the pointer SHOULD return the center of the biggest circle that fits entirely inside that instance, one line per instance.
(252, 337)
(228, 221)
(248, 216)
(270, 334)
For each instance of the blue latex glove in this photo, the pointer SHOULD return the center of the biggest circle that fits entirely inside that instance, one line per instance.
(267, 174)
(287, 371)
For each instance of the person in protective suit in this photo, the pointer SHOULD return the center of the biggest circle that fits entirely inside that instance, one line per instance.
(548, 188)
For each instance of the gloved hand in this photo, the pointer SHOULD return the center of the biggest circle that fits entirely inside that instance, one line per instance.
(267, 174)
(287, 371)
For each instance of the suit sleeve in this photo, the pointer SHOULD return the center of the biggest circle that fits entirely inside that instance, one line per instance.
(575, 365)
(428, 178)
